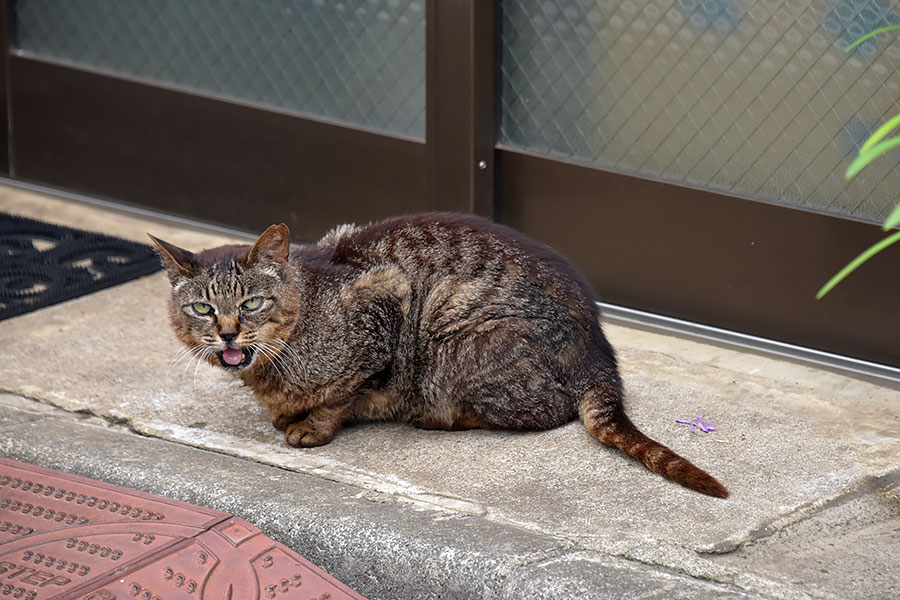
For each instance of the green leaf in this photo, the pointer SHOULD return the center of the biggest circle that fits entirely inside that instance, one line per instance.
(865, 158)
(880, 133)
(893, 219)
(869, 35)
(856, 262)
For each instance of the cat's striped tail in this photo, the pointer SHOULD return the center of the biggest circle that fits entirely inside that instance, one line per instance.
(602, 413)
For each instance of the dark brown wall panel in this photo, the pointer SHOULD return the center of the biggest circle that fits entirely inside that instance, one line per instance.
(205, 158)
(4, 102)
(723, 261)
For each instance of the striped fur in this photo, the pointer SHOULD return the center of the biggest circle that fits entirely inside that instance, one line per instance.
(440, 320)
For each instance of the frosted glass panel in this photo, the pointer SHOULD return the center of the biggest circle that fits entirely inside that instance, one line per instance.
(756, 98)
(359, 61)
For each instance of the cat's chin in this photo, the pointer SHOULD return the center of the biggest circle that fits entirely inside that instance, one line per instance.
(246, 359)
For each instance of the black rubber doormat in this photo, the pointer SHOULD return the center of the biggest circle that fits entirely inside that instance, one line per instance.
(43, 264)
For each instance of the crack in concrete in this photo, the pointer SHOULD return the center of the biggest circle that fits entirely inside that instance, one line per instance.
(725, 579)
(868, 485)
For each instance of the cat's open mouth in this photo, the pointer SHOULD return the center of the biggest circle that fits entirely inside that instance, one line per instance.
(236, 358)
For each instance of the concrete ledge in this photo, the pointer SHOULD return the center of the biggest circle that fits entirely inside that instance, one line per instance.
(382, 547)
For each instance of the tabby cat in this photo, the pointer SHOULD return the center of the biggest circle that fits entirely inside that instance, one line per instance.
(444, 321)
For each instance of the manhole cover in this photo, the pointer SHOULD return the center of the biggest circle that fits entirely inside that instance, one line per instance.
(71, 538)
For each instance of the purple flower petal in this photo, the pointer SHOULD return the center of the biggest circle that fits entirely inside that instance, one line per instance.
(698, 422)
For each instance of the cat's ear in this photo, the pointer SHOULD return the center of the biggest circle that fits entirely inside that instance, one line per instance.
(180, 262)
(272, 248)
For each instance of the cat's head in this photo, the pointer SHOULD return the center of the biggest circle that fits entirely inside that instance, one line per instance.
(232, 305)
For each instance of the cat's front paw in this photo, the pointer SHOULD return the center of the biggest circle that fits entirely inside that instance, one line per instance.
(282, 422)
(303, 435)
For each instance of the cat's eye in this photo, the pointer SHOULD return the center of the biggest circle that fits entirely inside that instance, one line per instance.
(201, 308)
(252, 303)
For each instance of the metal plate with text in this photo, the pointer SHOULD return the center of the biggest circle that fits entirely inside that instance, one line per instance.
(65, 537)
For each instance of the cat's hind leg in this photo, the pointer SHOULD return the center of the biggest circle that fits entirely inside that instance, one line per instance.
(498, 379)
(458, 422)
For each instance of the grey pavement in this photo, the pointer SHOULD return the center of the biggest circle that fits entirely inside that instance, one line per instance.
(812, 460)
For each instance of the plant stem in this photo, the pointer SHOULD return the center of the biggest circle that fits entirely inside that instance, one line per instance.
(866, 255)
(869, 35)
(871, 154)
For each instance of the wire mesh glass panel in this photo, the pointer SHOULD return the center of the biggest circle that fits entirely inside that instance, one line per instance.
(756, 97)
(359, 61)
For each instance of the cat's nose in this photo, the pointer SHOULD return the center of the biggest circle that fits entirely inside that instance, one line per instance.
(227, 337)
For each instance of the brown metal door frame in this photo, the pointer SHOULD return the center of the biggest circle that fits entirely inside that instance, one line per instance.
(662, 247)
(460, 37)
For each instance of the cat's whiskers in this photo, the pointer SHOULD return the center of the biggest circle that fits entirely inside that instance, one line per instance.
(181, 355)
(202, 356)
(196, 355)
(294, 356)
(287, 356)
(274, 359)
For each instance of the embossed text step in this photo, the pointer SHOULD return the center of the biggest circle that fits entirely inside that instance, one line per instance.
(66, 537)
